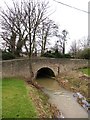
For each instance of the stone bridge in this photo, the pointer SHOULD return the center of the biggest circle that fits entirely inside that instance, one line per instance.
(41, 67)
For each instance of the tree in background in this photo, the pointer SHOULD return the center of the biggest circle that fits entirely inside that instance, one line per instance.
(26, 27)
(74, 49)
(47, 30)
(84, 43)
(61, 40)
(85, 54)
(13, 31)
(20, 25)
(80, 49)
(65, 33)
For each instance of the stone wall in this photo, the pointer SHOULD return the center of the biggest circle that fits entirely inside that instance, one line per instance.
(20, 67)
(12, 68)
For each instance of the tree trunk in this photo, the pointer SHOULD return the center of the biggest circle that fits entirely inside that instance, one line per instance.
(63, 47)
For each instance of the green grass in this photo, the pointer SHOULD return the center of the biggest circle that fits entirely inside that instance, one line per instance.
(16, 102)
(86, 71)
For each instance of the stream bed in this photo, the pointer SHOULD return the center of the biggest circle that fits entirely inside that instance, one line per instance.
(62, 99)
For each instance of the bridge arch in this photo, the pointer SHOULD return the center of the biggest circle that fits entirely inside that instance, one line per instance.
(44, 72)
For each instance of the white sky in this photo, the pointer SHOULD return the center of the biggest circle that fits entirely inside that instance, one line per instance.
(75, 22)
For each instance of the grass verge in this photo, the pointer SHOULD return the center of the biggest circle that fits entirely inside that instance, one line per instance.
(16, 102)
(23, 100)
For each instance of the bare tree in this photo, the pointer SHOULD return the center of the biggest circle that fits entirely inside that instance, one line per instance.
(13, 31)
(79, 48)
(65, 33)
(20, 25)
(84, 43)
(61, 40)
(74, 49)
(47, 30)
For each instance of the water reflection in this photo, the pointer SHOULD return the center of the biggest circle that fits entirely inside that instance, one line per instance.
(48, 83)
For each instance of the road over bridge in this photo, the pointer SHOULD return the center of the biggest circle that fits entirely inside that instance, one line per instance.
(40, 66)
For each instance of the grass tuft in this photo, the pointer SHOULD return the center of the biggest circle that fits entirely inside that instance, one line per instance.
(85, 71)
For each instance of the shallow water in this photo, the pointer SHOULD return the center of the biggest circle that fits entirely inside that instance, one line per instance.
(48, 83)
(62, 98)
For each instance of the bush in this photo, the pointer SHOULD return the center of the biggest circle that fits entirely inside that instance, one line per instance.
(67, 56)
(85, 54)
(48, 55)
(7, 56)
(55, 54)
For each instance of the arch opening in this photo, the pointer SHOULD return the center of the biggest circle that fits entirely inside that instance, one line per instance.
(45, 73)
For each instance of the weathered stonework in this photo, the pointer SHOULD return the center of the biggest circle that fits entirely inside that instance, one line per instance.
(20, 67)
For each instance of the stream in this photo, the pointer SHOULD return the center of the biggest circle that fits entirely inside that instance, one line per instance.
(62, 99)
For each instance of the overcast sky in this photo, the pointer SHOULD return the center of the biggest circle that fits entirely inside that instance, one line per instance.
(74, 21)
